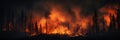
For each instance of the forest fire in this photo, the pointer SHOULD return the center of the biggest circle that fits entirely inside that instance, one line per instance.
(58, 20)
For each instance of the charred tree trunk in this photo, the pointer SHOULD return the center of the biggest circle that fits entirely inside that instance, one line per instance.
(118, 19)
(112, 25)
(30, 24)
(40, 29)
(36, 27)
(96, 27)
(46, 15)
(46, 26)
(23, 20)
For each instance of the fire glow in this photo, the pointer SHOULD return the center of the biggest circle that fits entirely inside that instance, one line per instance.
(59, 21)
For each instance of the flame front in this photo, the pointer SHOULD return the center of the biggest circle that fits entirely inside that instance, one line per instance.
(59, 21)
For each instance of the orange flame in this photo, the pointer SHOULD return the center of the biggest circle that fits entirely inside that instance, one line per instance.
(57, 20)
(109, 11)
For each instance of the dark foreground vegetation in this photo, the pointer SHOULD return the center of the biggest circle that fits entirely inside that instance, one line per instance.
(95, 36)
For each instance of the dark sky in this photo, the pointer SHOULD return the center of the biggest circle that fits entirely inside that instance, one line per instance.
(14, 8)
(88, 5)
